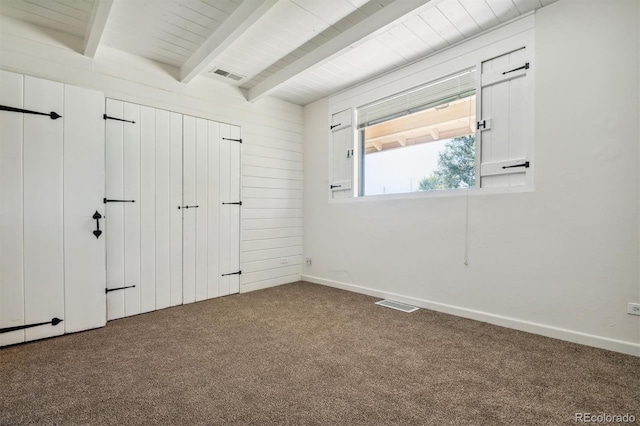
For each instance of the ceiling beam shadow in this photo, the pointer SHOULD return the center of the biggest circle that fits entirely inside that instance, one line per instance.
(247, 14)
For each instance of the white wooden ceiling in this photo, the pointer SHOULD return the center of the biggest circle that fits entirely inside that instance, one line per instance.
(297, 50)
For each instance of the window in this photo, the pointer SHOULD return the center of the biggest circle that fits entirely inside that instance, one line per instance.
(468, 129)
(421, 139)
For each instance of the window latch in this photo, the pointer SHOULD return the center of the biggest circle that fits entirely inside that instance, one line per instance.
(484, 124)
(525, 165)
(524, 67)
(335, 125)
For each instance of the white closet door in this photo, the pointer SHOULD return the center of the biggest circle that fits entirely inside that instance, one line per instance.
(43, 214)
(230, 207)
(144, 158)
(84, 251)
(211, 243)
(122, 193)
(52, 179)
(11, 220)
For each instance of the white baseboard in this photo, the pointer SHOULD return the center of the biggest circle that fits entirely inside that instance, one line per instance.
(629, 348)
(274, 282)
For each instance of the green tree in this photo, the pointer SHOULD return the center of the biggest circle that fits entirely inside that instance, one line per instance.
(456, 166)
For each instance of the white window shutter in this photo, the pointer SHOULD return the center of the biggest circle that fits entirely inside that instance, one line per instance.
(505, 125)
(342, 154)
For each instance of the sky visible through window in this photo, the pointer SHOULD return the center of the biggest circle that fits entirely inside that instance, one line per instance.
(400, 170)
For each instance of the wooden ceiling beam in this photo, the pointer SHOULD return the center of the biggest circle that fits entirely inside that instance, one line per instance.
(95, 27)
(354, 36)
(247, 14)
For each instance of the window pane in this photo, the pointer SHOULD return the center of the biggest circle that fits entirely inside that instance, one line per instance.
(429, 150)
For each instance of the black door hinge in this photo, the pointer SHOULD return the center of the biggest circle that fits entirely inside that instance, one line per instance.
(54, 321)
(481, 125)
(233, 273)
(107, 290)
(52, 115)
(335, 186)
(237, 203)
(524, 67)
(335, 125)
(106, 200)
(525, 165)
(187, 207)
(234, 140)
(106, 117)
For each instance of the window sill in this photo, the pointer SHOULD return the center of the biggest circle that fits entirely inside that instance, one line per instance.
(475, 192)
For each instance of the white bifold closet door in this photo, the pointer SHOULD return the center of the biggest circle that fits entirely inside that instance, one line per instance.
(170, 238)
(51, 184)
(211, 209)
(144, 229)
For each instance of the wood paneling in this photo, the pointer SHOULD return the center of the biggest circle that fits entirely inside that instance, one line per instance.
(84, 254)
(43, 207)
(68, 16)
(167, 31)
(11, 209)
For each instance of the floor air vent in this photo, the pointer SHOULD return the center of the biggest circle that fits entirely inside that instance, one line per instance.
(397, 305)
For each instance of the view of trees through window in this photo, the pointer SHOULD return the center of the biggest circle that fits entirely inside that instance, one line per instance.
(456, 166)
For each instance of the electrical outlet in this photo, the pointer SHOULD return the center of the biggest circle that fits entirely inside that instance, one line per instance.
(308, 260)
(633, 308)
(284, 260)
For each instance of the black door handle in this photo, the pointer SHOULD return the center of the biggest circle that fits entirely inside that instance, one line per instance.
(97, 216)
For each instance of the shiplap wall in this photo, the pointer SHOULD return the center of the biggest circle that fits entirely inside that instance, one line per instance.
(271, 130)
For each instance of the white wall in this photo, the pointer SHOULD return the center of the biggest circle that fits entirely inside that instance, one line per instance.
(560, 261)
(271, 131)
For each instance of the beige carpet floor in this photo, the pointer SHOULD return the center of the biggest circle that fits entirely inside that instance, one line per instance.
(303, 354)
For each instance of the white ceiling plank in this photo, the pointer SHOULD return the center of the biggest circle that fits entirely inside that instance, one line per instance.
(459, 17)
(431, 38)
(481, 13)
(96, 26)
(505, 10)
(525, 6)
(441, 24)
(357, 34)
(240, 20)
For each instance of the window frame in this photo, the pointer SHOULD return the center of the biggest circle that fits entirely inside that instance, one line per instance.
(466, 54)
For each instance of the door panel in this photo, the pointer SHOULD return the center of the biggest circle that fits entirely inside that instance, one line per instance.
(162, 215)
(84, 254)
(214, 207)
(147, 209)
(43, 204)
(11, 220)
(131, 171)
(114, 212)
(202, 183)
(176, 214)
(189, 215)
